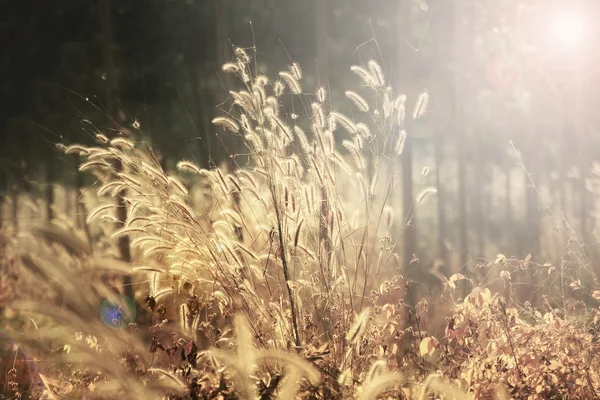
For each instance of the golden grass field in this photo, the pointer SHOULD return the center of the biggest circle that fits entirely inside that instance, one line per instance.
(280, 278)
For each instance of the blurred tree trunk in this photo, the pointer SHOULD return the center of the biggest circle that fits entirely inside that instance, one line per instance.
(3, 195)
(441, 31)
(80, 207)
(49, 190)
(462, 53)
(478, 195)
(441, 195)
(223, 51)
(222, 42)
(229, 144)
(14, 194)
(195, 48)
(582, 155)
(111, 111)
(510, 245)
(68, 209)
(321, 39)
(203, 139)
(403, 63)
(532, 207)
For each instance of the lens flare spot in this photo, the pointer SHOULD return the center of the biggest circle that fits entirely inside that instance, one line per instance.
(117, 312)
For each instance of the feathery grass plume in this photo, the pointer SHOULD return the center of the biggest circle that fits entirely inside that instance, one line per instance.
(365, 75)
(227, 123)
(291, 81)
(278, 88)
(374, 182)
(358, 142)
(380, 384)
(76, 149)
(358, 326)
(401, 114)
(388, 216)
(99, 210)
(100, 138)
(101, 154)
(260, 95)
(388, 105)
(126, 231)
(399, 107)
(94, 164)
(318, 115)
(329, 142)
(118, 188)
(378, 368)
(271, 108)
(109, 219)
(424, 194)
(247, 177)
(344, 121)
(154, 280)
(331, 123)
(296, 71)
(171, 376)
(302, 366)
(400, 101)
(354, 151)
(358, 100)
(230, 67)
(241, 55)
(261, 80)
(302, 139)
(246, 355)
(421, 105)
(376, 73)
(188, 166)
(122, 143)
(244, 100)
(400, 142)
(253, 142)
(363, 130)
(246, 126)
(321, 95)
(289, 387)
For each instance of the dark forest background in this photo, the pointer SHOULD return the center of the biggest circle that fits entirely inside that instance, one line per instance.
(496, 72)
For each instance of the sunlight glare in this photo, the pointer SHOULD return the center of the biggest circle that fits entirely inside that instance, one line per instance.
(568, 28)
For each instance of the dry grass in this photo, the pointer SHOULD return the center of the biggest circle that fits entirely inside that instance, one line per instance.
(280, 282)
